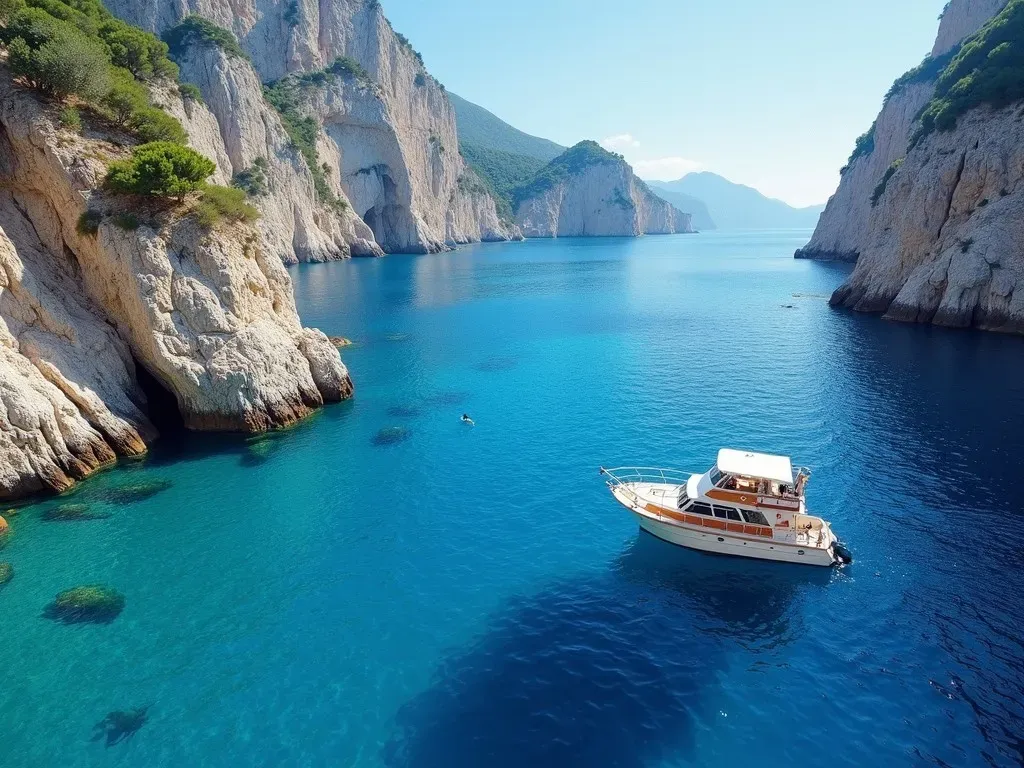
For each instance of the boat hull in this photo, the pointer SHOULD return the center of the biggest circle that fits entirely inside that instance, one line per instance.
(714, 541)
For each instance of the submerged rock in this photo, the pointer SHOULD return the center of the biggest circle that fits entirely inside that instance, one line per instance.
(340, 341)
(4, 527)
(258, 452)
(403, 411)
(72, 513)
(391, 436)
(129, 494)
(94, 603)
(447, 398)
(120, 725)
(6, 573)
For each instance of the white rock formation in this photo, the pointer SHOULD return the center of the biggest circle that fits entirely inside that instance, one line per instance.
(602, 199)
(946, 241)
(210, 315)
(844, 230)
(236, 129)
(395, 142)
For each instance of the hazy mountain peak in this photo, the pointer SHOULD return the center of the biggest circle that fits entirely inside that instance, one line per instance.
(738, 206)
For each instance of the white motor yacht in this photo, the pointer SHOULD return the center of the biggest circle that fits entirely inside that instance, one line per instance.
(748, 504)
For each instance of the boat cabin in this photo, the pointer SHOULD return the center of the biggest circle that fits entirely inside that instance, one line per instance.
(757, 480)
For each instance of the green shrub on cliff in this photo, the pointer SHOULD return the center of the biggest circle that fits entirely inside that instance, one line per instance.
(863, 147)
(161, 169)
(195, 30)
(987, 69)
(77, 47)
(881, 186)
(66, 63)
(219, 204)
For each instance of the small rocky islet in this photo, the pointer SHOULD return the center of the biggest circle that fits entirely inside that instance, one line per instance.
(6, 573)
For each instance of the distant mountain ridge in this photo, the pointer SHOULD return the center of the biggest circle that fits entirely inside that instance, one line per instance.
(737, 206)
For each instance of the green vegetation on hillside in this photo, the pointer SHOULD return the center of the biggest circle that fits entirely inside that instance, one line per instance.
(584, 155)
(503, 171)
(76, 48)
(479, 128)
(287, 95)
(987, 69)
(864, 146)
(195, 30)
(925, 72)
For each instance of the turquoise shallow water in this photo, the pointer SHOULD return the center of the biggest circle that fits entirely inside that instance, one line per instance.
(438, 595)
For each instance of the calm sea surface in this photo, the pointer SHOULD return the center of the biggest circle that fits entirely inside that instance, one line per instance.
(384, 586)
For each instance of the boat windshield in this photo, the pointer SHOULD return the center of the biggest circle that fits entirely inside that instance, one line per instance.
(716, 475)
(684, 497)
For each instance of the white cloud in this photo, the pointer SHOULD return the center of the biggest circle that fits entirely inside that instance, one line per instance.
(619, 143)
(666, 168)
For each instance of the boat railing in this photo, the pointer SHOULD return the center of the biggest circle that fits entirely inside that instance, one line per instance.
(654, 475)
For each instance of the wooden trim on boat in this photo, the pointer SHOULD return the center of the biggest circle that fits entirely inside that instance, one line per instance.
(752, 500)
(700, 521)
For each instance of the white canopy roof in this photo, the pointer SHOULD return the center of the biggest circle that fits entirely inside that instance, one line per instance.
(776, 468)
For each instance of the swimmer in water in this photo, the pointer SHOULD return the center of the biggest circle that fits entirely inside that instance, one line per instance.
(467, 420)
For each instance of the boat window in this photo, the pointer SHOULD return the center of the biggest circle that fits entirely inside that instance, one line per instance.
(755, 517)
(700, 508)
(734, 514)
(716, 475)
(720, 512)
(682, 503)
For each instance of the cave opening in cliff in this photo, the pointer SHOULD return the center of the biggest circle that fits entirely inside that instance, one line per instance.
(162, 406)
(373, 222)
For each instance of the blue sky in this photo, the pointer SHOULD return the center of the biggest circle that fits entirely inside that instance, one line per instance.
(770, 94)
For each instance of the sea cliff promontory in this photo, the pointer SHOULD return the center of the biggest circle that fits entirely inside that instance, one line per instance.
(587, 191)
(930, 203)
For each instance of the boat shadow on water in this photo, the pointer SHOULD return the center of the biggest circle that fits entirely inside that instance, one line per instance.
(614, 670)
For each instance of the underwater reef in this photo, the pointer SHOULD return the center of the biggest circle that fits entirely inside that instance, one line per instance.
(120, 725)
(94, 603)
(72, 513)
(391, 436)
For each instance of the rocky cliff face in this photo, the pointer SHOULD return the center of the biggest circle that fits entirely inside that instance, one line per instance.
(844, 229)
(935, 223)
(944, 243)
(391, 144)
(604, 198)
(210, 315)
(962, 18)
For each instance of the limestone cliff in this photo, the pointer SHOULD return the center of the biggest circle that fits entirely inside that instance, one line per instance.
(587, 192)
(390, 143)
(844, 228)
(941, 236)
(244, 130)
(209, 314)
(945, 242)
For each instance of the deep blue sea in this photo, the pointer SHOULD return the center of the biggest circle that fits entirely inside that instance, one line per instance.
(384, 586)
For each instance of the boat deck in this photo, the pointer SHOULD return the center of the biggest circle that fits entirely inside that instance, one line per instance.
(661, 501)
